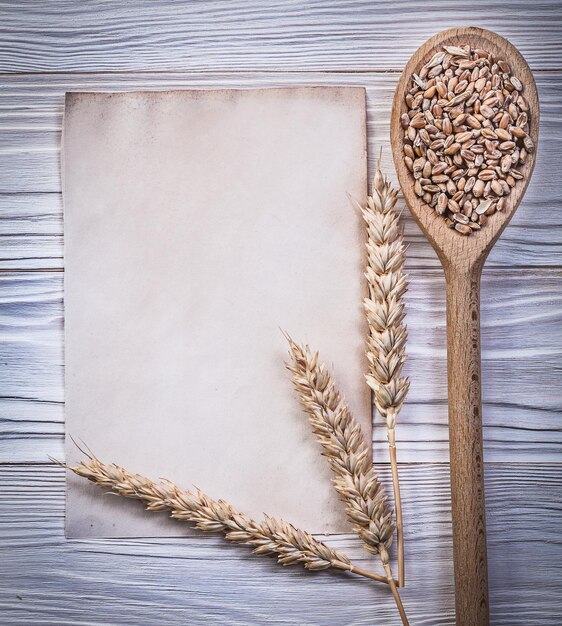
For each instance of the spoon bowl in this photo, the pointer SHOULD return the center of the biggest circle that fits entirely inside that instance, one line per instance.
(451, 246)
(462, 258)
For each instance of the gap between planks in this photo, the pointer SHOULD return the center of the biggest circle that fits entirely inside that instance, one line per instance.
(383, 464)
(423, 268)
(227, 72)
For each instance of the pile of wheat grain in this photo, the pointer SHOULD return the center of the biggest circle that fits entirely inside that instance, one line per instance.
(465, 135)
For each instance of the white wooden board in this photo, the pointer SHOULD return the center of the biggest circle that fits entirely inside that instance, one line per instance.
(48, 48)
(299, 35)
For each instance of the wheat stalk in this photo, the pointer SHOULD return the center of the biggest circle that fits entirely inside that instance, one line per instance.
(340, 435)
(384, 309)
(270, 537)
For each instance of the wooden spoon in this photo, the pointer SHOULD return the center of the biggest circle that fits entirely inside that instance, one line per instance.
(462, 258)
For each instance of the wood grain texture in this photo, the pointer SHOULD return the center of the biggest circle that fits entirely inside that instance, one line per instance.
(201, 580)
(30, 123)
(519, 423)
(280, 35)
(466, 448)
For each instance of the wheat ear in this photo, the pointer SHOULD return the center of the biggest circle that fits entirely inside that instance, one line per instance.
(385, 316)
(270, 537)
(340, 435)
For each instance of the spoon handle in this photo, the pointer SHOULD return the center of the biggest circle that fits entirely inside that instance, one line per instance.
(465, 442)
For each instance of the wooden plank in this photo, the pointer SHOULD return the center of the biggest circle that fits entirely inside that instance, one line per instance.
(520, 423)
(31, 210)
(265, 35)
(201, 580)
(31, 235)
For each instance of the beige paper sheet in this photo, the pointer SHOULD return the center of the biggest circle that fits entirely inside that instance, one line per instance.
(197, 224)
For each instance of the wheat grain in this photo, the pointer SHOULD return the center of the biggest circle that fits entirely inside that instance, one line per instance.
(269, 537)
(339, 434)
(355, 479)
(384, 308)
(465, 134)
